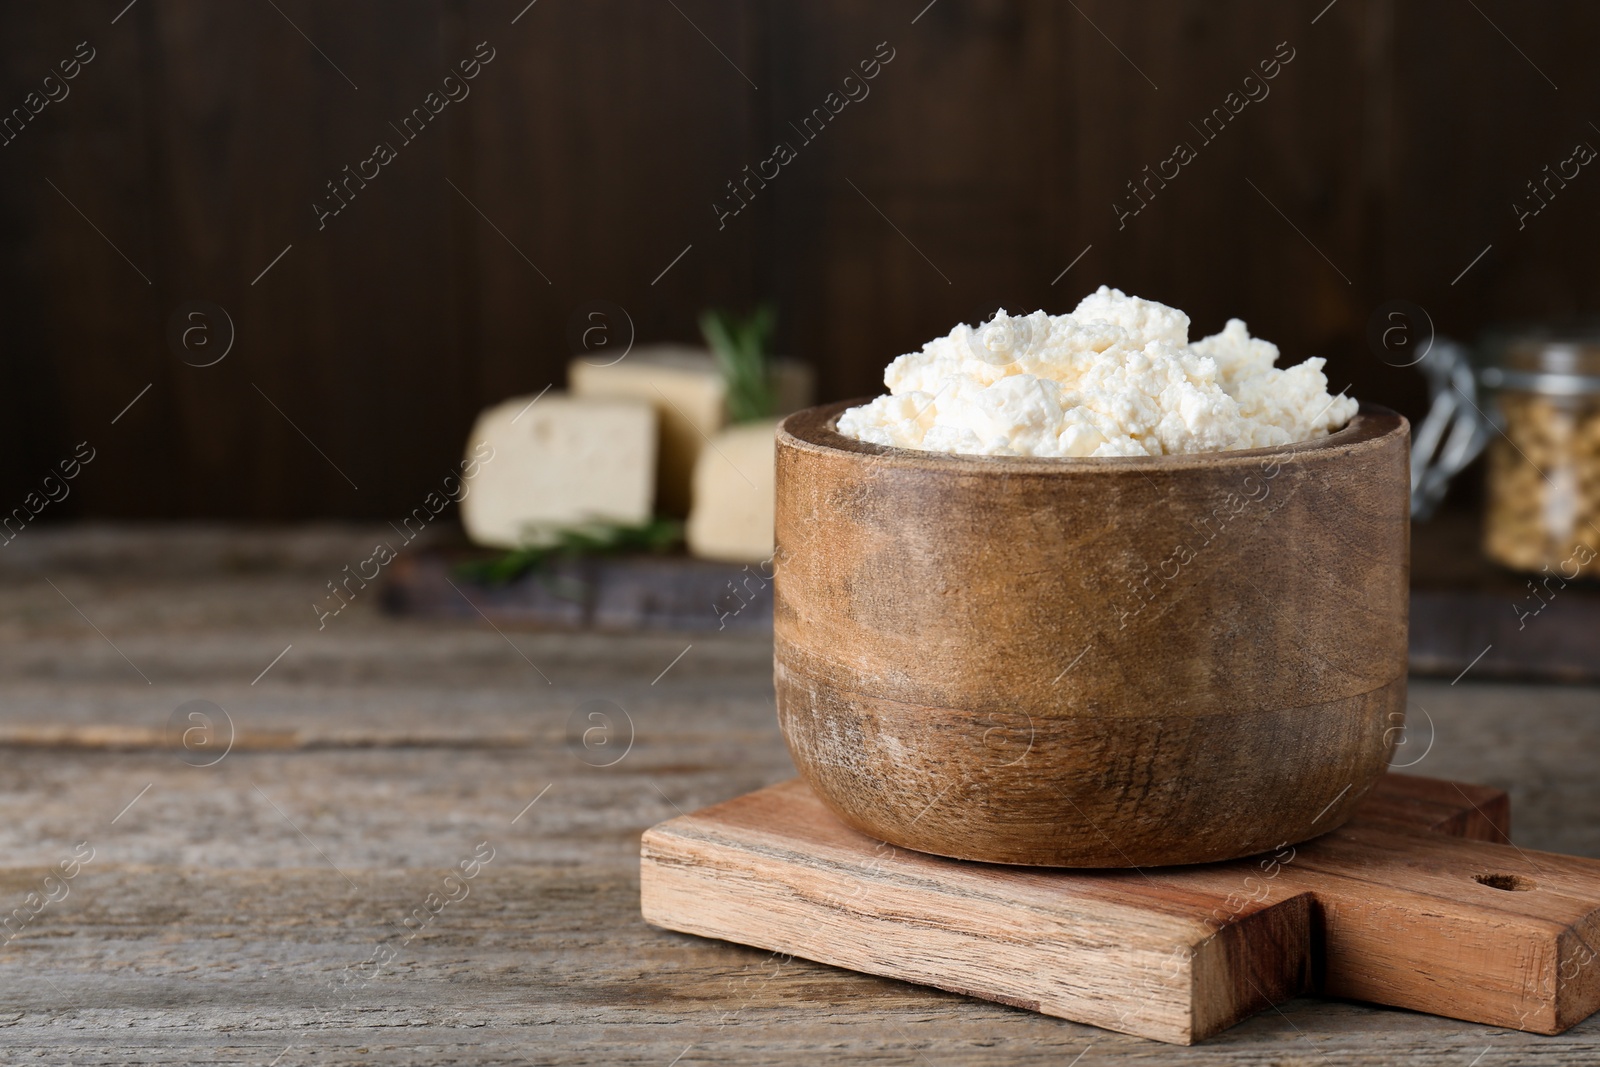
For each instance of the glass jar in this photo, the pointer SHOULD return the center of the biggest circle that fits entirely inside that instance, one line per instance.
(1543, 482)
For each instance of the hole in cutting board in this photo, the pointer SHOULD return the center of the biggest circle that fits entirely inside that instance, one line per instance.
(1509, 882)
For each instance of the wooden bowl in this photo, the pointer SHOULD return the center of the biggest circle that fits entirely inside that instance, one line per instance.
(1092, 662)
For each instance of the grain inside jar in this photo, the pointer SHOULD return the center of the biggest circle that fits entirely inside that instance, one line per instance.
(1543, 487)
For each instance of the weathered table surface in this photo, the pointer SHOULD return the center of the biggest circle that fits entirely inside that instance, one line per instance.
(265, 909)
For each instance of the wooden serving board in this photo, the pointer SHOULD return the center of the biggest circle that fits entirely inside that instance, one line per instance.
(1466, 612)
(614, 593)
(1419, 902)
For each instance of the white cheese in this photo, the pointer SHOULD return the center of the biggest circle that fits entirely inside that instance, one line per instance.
(690, 396)
(558, 461)
(734, 495)
(1117, 377)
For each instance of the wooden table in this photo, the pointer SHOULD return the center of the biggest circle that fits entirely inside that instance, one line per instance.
(255, 911)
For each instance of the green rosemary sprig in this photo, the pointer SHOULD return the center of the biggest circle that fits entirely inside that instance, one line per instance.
(573, 542)
(741, 345)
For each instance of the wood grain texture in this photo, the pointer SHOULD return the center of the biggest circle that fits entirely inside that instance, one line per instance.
(986, 158)
(777, 870)
(1466, 611)
(1477, 931)
(213, 939)
(1098, 663)
(633, 592)
(1385, 909)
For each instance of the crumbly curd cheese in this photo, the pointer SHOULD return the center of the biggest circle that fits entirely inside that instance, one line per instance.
(1117, 377)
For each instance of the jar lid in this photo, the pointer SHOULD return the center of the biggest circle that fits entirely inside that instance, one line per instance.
(1558, 357)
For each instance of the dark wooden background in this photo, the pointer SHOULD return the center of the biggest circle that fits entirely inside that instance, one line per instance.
(987, 157)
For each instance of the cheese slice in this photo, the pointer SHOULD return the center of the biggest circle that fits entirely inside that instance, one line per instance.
(690, 397)
(734, 495)
(558, 461)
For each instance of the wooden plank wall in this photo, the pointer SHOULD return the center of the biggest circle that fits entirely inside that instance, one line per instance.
(986, 156)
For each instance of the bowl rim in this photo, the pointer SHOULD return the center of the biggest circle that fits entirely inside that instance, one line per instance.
(815, 429)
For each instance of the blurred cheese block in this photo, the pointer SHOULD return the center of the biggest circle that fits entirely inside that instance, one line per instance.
(688, 394)
(559, 461)
(734, 483)
(690, 397)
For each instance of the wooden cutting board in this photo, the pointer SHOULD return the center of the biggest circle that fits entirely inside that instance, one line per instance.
(1419, 902)
(631, 592)
(1466, 612)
